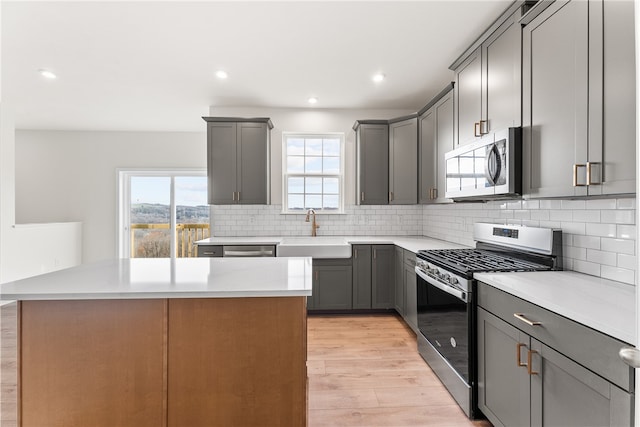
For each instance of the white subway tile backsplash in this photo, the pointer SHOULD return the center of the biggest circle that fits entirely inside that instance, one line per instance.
(627, 261)
(619, 245)
(619, 217)
(599, 235)
(626, 203)
(618, 274)
(601, 257)
(603, 230)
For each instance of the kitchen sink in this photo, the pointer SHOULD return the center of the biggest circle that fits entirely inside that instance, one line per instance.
(314, 247)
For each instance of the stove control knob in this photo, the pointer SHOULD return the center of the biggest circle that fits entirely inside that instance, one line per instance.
(453, 280)
(445, 276)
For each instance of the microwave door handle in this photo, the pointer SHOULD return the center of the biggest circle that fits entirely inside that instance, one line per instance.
(492, 165)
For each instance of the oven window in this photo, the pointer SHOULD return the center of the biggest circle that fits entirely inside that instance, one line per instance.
(444, 320)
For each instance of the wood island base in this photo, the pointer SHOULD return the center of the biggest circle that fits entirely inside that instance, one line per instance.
(163, 362)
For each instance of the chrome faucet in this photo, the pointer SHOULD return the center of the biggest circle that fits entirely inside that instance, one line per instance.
(314, 225)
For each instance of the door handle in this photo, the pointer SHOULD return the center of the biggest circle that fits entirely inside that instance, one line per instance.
(476, 129)
(492, 165)
(575, 174)
(486, 127)
(518, 350)
(521, 317)
(362, 196)
(529, 356)
(630, 356)
(391, 196)
(590, 174)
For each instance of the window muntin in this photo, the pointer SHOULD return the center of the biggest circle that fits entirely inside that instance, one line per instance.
(313, 172)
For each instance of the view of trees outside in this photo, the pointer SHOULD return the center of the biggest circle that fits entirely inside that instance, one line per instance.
(151, 208)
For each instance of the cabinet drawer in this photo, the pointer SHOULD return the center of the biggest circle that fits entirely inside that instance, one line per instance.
(590, 348)
(209, 251)
(409, 258)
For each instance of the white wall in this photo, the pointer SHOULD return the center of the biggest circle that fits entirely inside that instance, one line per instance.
(72, 176)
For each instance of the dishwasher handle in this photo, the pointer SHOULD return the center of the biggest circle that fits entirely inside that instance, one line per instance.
(248, 251)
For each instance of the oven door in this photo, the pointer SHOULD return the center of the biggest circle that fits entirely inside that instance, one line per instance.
(445, 320)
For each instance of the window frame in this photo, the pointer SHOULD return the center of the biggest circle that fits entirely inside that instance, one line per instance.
(340, 176)
(123, 218)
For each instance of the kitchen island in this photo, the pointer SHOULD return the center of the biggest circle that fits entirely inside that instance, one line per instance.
(160, 342)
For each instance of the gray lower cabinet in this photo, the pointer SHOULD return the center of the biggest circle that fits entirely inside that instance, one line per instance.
(361, 257)
(403, 161)
(238, 157)
(579, 100)
(372, 162)
(435, 139)
(410, 291)
(558, 373)
(373, 276)
(332, 285)
(399, 282)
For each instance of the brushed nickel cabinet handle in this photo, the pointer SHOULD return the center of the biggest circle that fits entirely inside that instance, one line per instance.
(529, 356)
(233, 195)
(391, 196)
(375, 254)
(355, 253)
(575, 174)
(521, 317)
(476, 129)
(238, 196)
(518, 350)
(362, 196)
(486, 127)
(590, 174)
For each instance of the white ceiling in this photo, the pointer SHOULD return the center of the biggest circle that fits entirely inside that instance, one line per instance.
(150, 65)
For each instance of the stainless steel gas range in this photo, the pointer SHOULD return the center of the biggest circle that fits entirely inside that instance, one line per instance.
(446, 302)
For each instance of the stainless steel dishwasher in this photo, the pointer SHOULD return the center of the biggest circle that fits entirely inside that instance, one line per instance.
(238, 251)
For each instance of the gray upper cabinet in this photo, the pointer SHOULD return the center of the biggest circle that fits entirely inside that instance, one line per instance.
(579, 100)
(468, 90)
(488, 80)
(435, 138)
(238, 155)
(403, 161)
(372, 162)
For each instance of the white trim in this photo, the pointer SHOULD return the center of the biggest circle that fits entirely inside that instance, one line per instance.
(341, 175)
(123, 185)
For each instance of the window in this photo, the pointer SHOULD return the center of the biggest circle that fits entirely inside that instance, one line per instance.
(162, 213)
(313, 169)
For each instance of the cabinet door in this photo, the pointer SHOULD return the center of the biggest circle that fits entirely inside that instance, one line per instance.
(555, 93)
(399, 281)
(563, 393)
(403, 162)
(411, 298)
(503, 385)
(502, 55)
(468, 95)
(221, 162)
(444, 143)
(361, 276)
(373, 164)
(331, 287)
(382, 276)
(428, 155)
(612, 83)
(253, 167)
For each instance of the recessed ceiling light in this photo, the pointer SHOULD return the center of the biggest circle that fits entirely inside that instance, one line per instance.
(312, 100)
(221, 74)
(378, 77)
(47, 74)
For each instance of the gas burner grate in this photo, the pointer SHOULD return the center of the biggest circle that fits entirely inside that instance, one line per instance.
(469, 260)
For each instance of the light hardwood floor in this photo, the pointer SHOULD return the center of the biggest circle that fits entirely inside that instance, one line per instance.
(363, 371)
(366, 371)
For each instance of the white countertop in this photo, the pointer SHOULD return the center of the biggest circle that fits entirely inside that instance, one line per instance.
(604, 305)
(166, 278)
(411, 243)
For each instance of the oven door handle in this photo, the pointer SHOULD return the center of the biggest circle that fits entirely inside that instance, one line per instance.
(461, 295)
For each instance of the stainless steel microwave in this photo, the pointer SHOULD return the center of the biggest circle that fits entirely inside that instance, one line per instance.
(487, 169)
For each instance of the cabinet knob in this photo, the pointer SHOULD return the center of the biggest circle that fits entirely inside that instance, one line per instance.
(630, 356)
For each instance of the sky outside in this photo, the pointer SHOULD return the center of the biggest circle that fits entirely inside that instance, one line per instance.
(190, 190)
